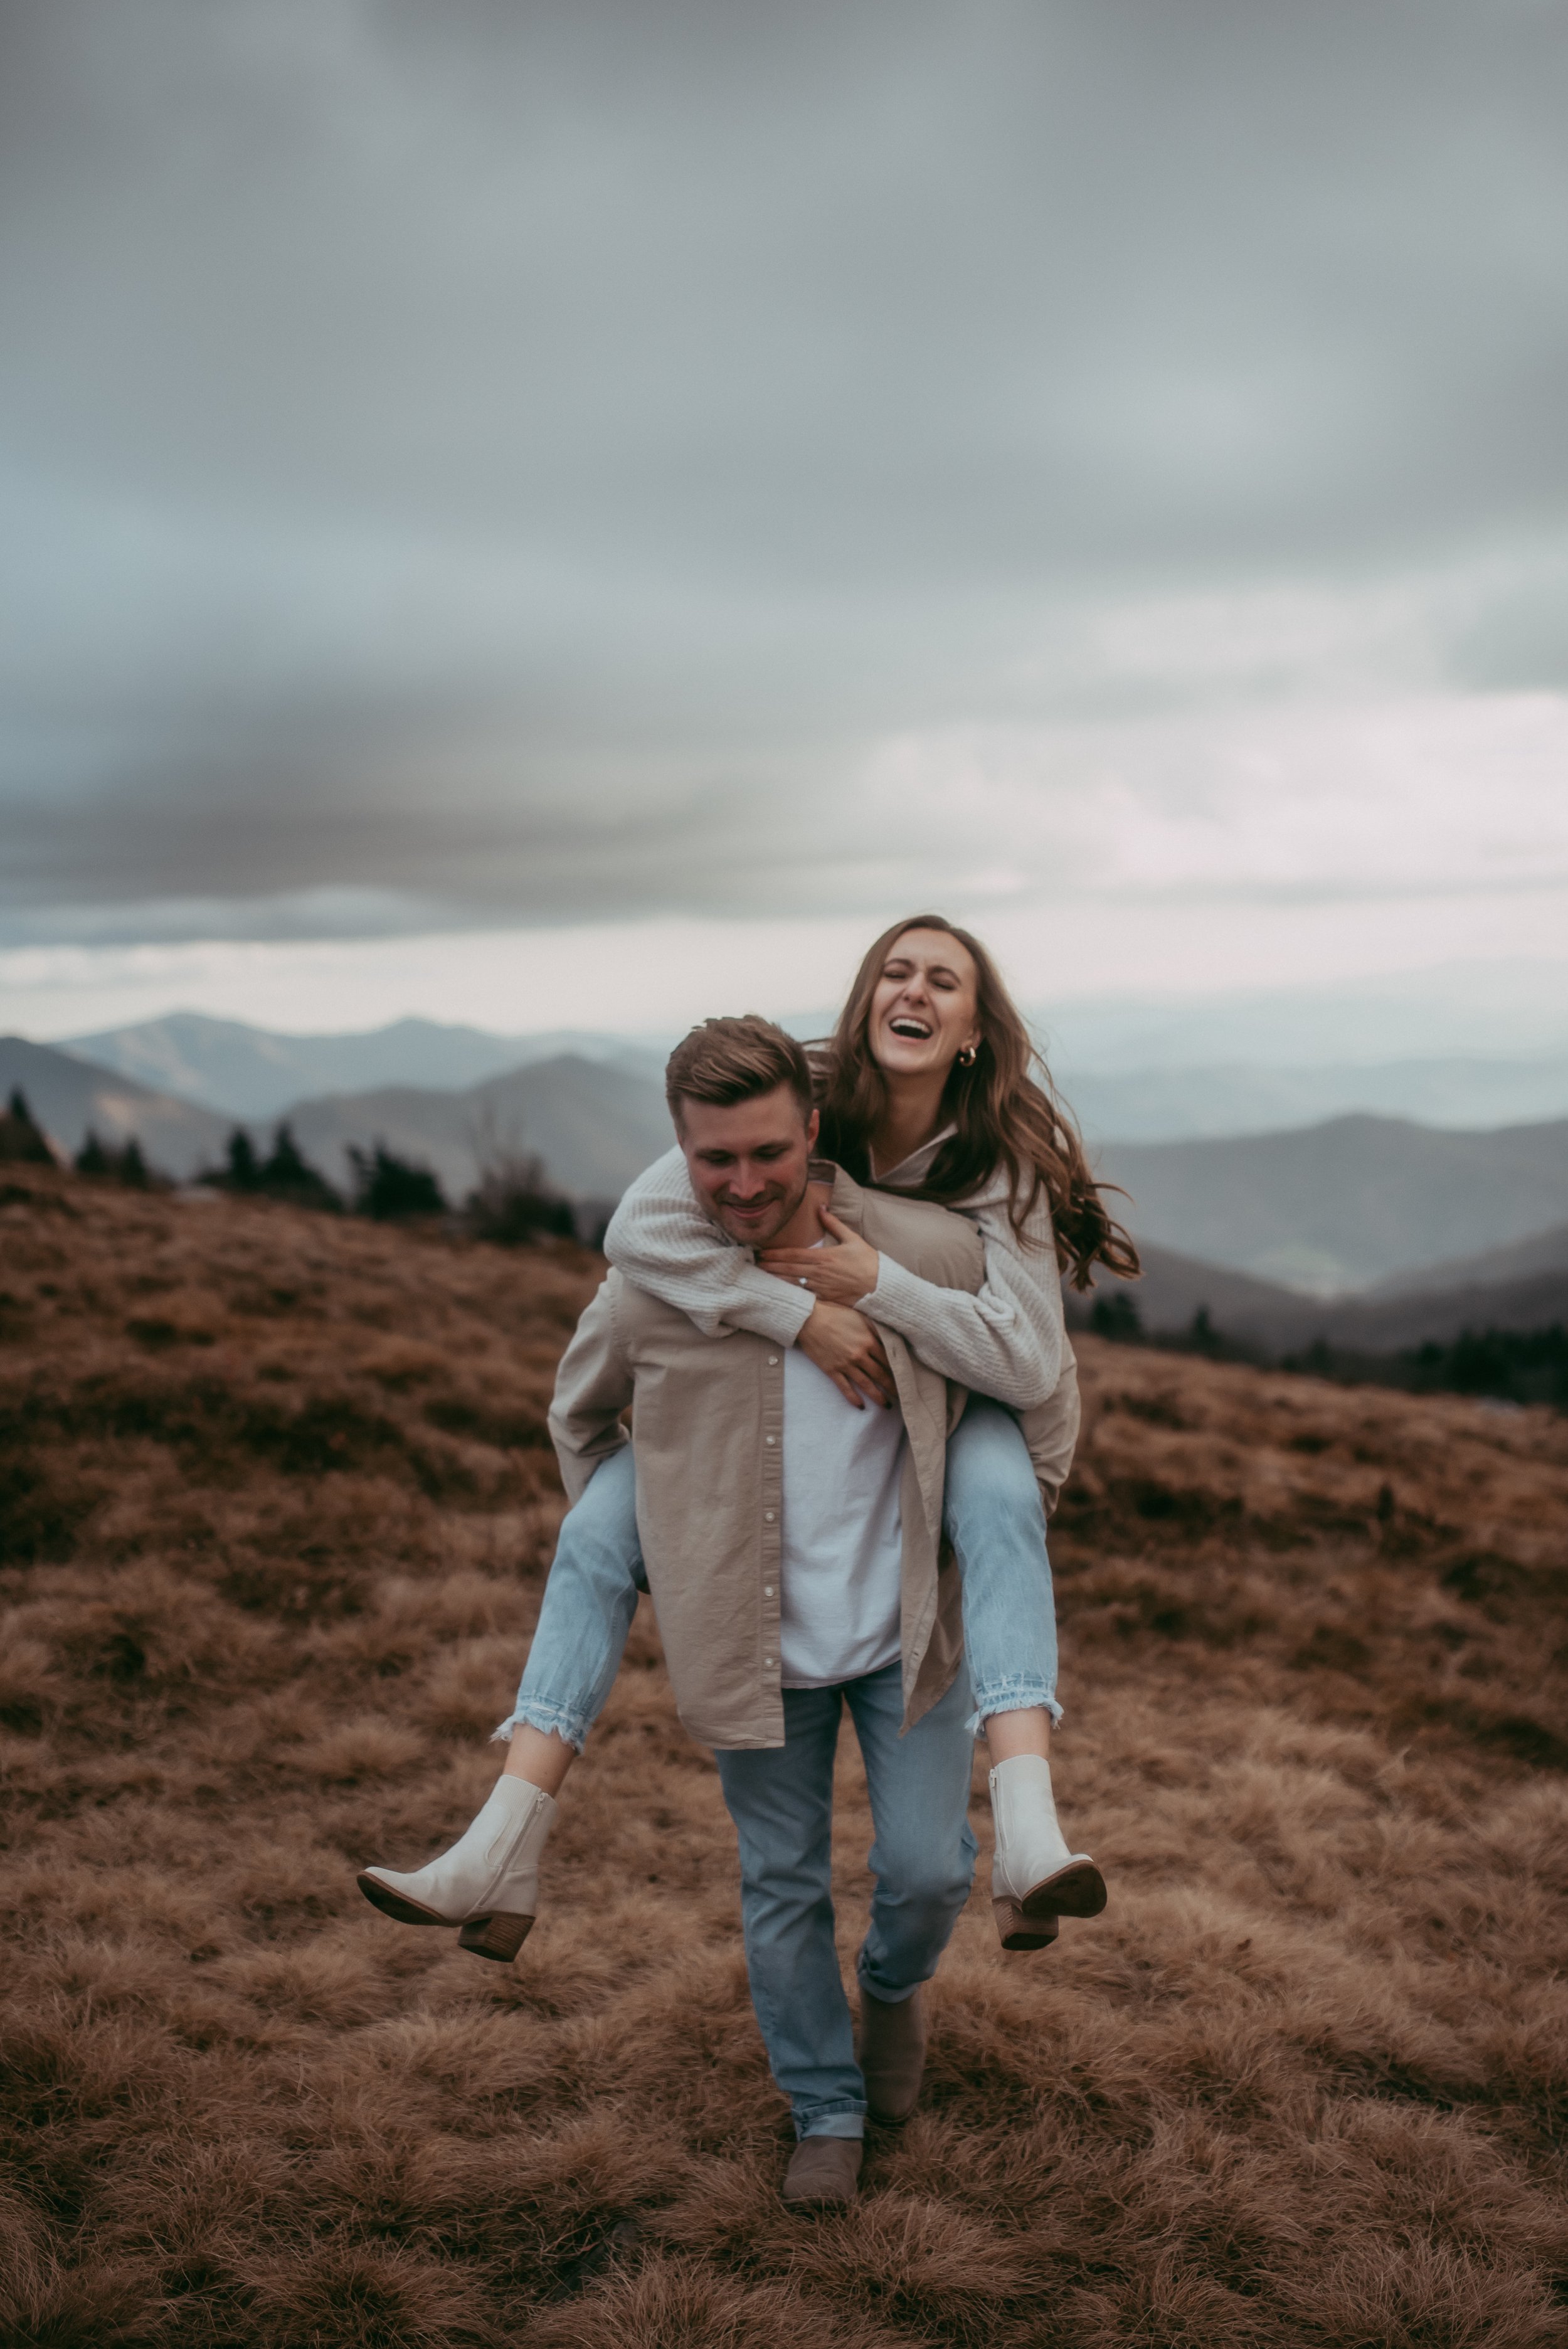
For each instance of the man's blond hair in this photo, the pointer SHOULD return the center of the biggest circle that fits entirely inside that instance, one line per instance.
(727, 1061)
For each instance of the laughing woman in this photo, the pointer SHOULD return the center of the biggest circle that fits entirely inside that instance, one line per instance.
(927, 1088)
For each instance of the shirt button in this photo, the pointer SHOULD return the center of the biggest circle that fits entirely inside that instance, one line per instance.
(767, 1439)
(772, 1361)
(768, 1517)
(768, 1659)
(768, 1590)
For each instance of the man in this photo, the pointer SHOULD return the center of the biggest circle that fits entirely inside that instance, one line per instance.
(791, 1549)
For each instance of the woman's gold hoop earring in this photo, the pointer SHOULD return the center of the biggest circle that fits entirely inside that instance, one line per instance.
(968, 1056)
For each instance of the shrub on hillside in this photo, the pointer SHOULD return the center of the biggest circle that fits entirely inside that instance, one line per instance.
(23, 1142)
(388, 1189)
(512, 1202)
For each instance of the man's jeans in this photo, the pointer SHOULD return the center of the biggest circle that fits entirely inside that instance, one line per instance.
(781, 1800)
(993, 1516)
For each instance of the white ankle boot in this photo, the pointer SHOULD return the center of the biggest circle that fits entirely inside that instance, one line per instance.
(487, 1882)
(1034, 1878)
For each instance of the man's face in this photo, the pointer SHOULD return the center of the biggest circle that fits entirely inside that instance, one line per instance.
(748, 1163)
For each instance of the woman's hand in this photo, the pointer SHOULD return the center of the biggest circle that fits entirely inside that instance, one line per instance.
(837, 1275)
(845, 1344)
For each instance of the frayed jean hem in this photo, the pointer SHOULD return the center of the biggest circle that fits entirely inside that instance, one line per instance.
(833, 2120)
(1011, 1696)
(548, 1719)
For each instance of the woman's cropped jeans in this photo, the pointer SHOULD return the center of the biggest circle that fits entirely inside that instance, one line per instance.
(992, 1514)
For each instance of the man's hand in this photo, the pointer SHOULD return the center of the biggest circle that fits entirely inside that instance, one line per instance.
(848, 1346)
(837, 1275)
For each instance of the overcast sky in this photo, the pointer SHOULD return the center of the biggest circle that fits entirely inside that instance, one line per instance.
(693, 479)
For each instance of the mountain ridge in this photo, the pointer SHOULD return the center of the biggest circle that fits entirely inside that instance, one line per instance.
(1197, 1207)
(69, 1097)
(1227, 1100)
(245, 1071)
(1175, 1289)
(594, 1126)
(1537, 1253)
(1332, 1208)
(250, 1073)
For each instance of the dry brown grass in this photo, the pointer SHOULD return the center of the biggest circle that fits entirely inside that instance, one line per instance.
(274, 1509)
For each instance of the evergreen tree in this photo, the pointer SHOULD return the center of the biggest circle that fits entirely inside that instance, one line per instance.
(514, 1203)
(289, 1175)
(107, 1164)
(23, 1142)
(243, 1174)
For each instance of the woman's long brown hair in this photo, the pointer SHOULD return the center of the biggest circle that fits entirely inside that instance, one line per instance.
(1006, 1113)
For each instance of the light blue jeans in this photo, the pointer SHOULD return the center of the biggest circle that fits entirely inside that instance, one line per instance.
(922, 1859)
(993, 1517)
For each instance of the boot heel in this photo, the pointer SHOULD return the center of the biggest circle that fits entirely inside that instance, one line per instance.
(1020, 1932)
(495, 1937)
(1078, 1890)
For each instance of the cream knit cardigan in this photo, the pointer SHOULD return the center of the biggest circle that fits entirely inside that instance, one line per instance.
(1007, 1341)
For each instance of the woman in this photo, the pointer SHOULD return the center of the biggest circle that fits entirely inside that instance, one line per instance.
(926, 1088)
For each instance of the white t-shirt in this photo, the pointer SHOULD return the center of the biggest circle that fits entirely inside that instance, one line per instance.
(843, 1533)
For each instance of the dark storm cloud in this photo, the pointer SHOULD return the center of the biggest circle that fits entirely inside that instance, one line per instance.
(485, 459)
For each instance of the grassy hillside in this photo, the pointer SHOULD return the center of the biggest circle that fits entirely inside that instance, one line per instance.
(277, 1507)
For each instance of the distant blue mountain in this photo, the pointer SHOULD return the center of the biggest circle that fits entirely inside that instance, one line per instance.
(1445, 1302)
(1339, 1206)
(1179, 1104)
(1403, 1231)
(594, 1125)
(252, 1072)
(70, 1098)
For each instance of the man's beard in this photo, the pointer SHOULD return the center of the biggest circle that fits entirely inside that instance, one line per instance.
(766, 1227)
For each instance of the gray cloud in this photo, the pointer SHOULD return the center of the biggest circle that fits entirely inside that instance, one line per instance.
(484, 461)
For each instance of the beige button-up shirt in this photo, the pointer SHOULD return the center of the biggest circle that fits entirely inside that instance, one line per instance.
(708, 1421)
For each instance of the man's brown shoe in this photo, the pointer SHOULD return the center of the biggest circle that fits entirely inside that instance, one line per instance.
(893, 2054)
(823, 2169)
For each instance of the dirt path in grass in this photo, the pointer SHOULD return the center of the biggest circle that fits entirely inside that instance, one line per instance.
(276, 1505)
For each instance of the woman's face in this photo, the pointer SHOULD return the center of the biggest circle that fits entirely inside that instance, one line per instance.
(924, 1007)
